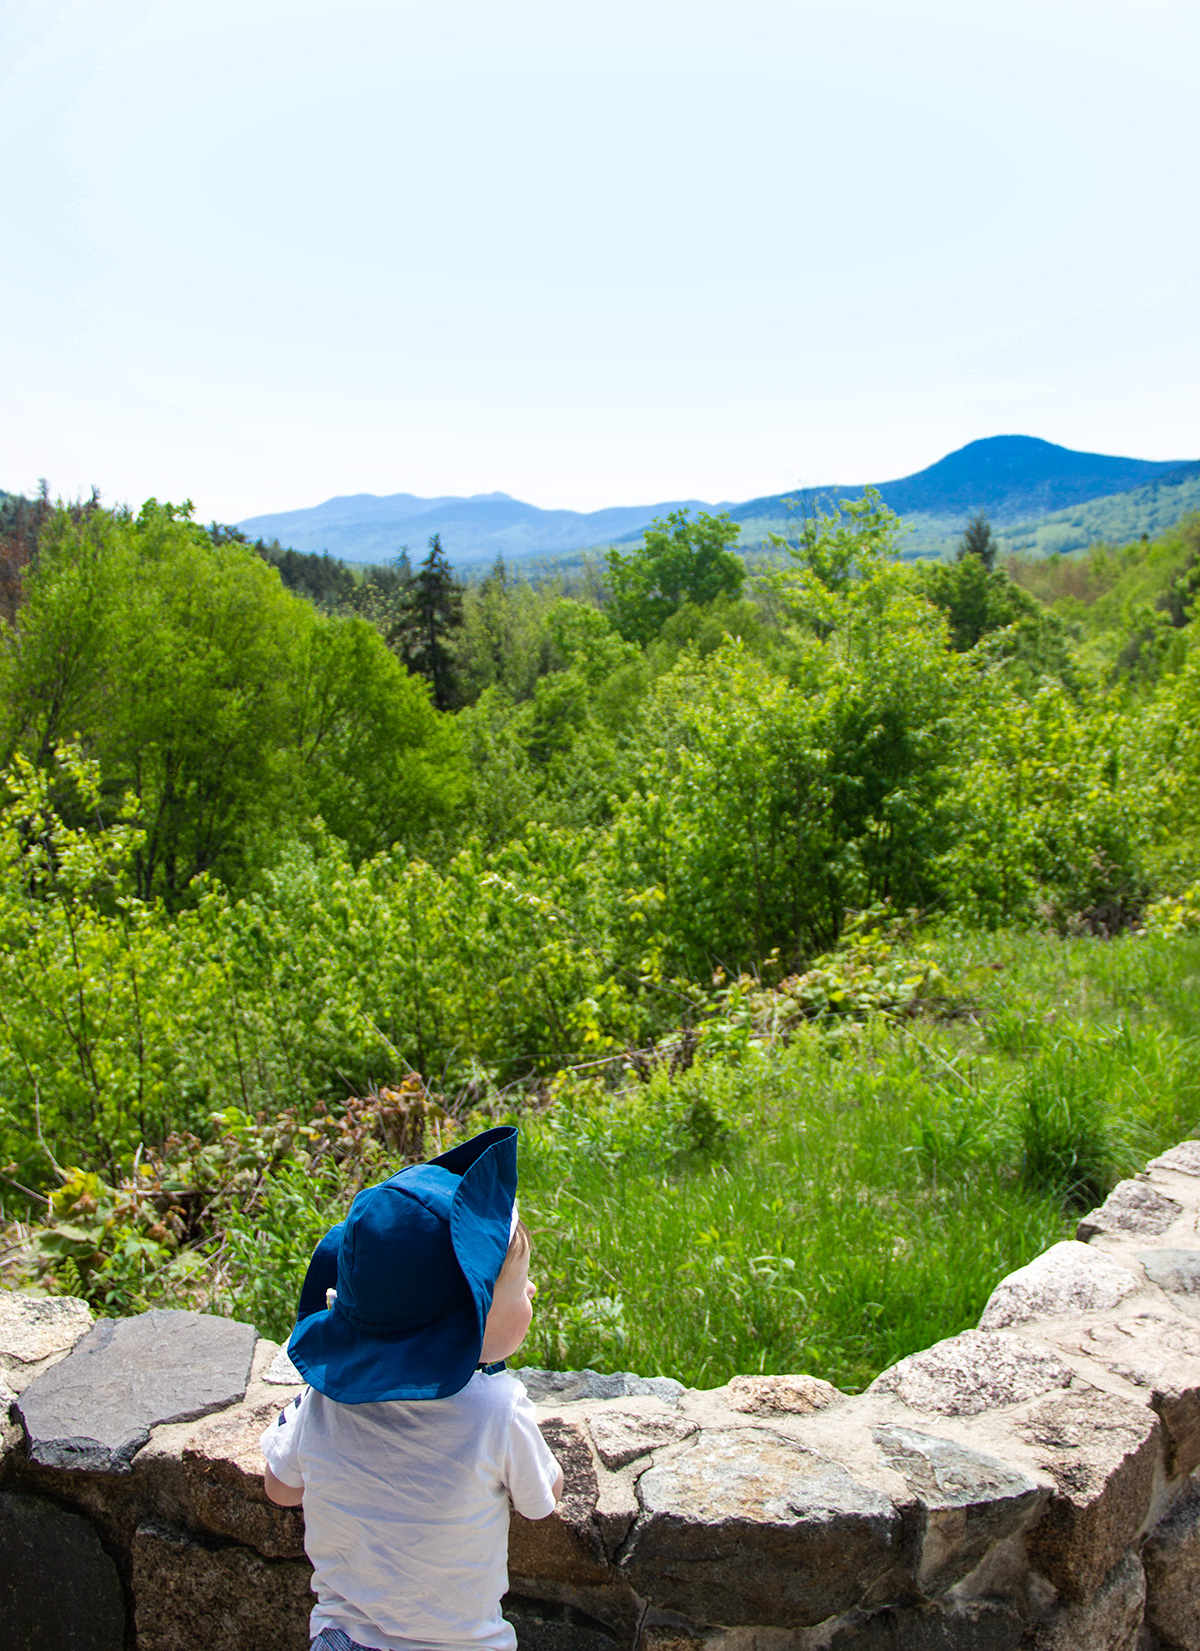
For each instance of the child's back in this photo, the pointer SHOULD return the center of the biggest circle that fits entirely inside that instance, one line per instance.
(406, 1509)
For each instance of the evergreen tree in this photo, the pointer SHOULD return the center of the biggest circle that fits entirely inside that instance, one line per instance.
(977, 541)
(433, 611)
(21, 523)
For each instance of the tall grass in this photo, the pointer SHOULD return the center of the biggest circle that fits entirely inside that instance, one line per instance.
(869, 1194)
(835, 1204)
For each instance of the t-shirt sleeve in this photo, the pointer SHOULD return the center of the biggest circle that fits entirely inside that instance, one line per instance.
(280, 1444)
(530, 1469)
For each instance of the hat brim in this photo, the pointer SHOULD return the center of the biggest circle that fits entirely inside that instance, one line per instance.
(351, 1367)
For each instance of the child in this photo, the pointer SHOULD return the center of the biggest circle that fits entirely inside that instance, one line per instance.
(411, 1437)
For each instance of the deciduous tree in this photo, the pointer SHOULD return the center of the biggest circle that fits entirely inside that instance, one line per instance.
(679, 560)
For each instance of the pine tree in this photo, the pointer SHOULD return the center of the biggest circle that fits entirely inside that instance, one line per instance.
(433, 611)
(977, 541)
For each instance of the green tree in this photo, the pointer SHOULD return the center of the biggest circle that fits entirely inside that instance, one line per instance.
(977, 541)
(774, 803)
(828, 551)
(224, 705)
(978, 604)
(378, 764)
(503, 640)
(433, 613)
(679, 560)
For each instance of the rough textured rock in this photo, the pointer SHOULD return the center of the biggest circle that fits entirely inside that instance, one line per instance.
(96, 1407)
(223, 1470)
(544, 1625)
(1171, 1557)
(188, 1597)
(621, 1436)
(781, 1395)
(1110, 1620)
(1101, 1452)
(1184, 1159)
(967, 1501)
(1067, 1278)
(281, 1372)
(36, 1331)
(1131, 1207)
(59, 1590)
(1176, 1271)
(977, 1371)
(747, 1527)
(975, 1625)
(1160, 1355)
(554, 1387)
(567, 1547)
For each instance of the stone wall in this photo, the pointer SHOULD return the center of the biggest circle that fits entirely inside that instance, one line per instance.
(1031, 1483)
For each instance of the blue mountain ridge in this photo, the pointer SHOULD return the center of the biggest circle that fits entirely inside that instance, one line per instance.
(1011, 477)
(366, 528)
(1016, 479)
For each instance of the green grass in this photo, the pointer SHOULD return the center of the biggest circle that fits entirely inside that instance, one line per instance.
(871, 1192)
(838, 1203)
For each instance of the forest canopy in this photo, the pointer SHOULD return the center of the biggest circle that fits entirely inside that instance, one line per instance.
(274, 836)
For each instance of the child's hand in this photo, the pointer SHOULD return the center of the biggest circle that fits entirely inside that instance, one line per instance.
(288, 1496)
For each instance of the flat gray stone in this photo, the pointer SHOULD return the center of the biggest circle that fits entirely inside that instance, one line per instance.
(59, 1590)
(621, 1436)
(969, 1501)
(1067, 1278)
(1172, 1560)
(550, 1387)
(744, 1527)
(1131, 1207)
(95, 1409)
(1183, 1159)
(1177, 1271)
(33, 1328)
(977, 1371)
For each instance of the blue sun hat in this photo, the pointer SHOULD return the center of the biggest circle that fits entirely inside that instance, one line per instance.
(396, 1296)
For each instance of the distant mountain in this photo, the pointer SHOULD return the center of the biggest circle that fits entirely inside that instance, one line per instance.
(1034, 491)
(1011, 477)
(366, 528)
(1115, 520)
(1018, 480)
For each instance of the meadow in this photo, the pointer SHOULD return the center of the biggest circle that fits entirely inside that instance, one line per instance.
(832, 1203)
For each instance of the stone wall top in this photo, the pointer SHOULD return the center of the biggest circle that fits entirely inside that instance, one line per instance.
(998, 1489)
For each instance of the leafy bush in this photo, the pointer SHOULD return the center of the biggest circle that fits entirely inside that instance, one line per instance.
(228, 1210)
(1175, 914)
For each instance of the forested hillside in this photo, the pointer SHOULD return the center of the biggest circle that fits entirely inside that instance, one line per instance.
(701, 874)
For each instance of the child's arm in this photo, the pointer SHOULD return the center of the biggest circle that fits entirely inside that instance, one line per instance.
(279, 1447)
(533, 1477)
(288, 1496)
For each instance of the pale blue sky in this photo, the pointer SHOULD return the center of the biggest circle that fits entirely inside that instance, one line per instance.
(587, 253)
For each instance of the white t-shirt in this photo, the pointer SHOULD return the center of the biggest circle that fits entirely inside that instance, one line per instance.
(406, 1509)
